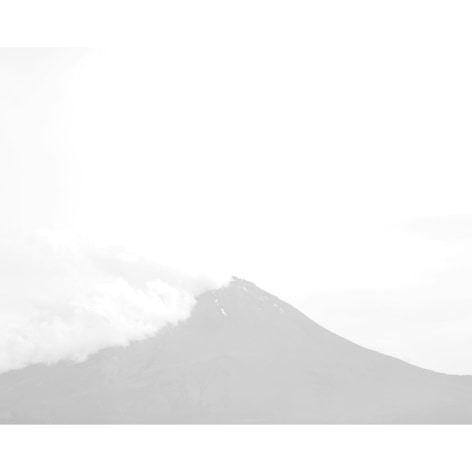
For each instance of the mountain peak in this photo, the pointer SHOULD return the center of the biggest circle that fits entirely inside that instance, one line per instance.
(243, 356)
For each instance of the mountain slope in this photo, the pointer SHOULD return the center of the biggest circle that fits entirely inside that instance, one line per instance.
(244, 356)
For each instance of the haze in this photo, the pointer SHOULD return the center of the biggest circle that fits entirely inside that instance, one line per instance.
(332, 173)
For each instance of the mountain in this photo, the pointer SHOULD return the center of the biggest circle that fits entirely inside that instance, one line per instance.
(244, 356)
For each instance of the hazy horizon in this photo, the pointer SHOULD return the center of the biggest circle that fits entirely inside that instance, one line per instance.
(303, 176)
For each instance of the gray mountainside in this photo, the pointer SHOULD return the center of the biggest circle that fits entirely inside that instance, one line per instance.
(244, 356)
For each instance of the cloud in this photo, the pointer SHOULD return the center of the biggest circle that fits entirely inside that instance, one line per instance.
(450, 227)
(64, 299)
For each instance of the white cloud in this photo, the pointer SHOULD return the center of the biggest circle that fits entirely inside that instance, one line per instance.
(442, 227)
(64, 299)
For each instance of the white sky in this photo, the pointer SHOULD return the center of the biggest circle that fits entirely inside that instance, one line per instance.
(324, 157)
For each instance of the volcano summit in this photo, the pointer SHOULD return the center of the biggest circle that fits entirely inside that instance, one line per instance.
(243, 356)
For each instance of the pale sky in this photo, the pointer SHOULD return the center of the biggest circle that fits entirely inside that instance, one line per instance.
(327, 162)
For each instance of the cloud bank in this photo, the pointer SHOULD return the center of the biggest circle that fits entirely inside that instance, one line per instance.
(64, 299)
(442, 228)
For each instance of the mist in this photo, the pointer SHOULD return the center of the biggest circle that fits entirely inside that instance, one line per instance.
(63, 298)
